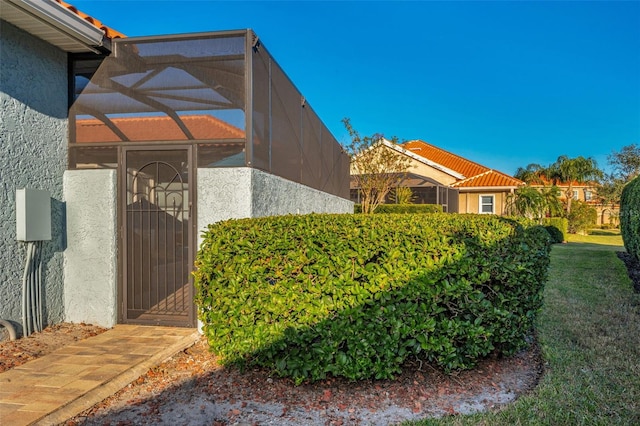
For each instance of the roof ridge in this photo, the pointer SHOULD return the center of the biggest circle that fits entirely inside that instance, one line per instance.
(508, 175)
(449, 152)
(469, 179)
(517, 181)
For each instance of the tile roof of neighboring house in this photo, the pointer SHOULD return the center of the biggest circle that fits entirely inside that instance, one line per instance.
(490, 178)
(108, 31)
(546, 182)
(136, 129)
(475, 175)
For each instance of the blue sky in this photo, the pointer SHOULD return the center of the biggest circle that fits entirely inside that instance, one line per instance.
(504, 84)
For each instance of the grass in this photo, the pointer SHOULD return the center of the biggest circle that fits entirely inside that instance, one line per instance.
(589, 332)
(598, 238)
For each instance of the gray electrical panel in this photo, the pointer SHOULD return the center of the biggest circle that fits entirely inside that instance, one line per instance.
(33, 215)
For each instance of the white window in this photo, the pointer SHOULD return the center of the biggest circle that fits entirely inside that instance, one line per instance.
(588, 195)
(486, 204)
(575, 194)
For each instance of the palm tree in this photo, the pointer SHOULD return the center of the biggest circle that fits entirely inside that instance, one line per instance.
(551, 196)
(526, 201)
(573, 170)
(532, 174)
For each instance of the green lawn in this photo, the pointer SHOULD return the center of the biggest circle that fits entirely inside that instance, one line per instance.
(597, 238)
(589, 331)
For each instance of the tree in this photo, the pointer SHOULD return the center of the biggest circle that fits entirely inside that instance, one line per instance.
(551, 196)
(375, 167)
(534, 203)
(573, 170)
(546, 200)
(526, 201)
(532, 174)
(626, 163)
(581, 218)
(609, 191)
(626, 166)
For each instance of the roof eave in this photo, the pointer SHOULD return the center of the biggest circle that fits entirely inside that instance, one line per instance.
(486, 188)
(71, 32)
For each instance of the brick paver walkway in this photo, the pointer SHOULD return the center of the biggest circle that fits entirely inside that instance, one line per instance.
(57, 386)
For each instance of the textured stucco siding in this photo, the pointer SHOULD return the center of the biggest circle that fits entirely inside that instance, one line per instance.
(469, 202)
(223, 193)
(273, 196)
(33, 136)
(234, 193)
(91, 259)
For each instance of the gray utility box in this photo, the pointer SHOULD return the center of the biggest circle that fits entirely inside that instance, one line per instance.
(33, 215)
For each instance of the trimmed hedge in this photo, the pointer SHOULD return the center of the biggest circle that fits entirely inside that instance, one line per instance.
(558, 228)
(355, 295)
(403, 208)
(630, 217)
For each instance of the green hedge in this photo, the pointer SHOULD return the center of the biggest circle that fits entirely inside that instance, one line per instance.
(558, 227)
(630, 217)
(356, 295)
(403, 208)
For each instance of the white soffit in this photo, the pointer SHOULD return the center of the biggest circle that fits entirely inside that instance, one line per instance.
(53, 23)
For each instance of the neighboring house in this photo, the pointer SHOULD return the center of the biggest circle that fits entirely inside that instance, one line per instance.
(436, 176)
(142, 142)
(587, 192)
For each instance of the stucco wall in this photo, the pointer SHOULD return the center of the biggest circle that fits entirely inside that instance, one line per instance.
(233, 193)
(33, 135)
(223, 193)
(272, 196)
(91, 259)
(428, 171)
(470, 201)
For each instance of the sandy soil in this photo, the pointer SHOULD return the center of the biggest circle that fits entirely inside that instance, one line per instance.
(193, 389)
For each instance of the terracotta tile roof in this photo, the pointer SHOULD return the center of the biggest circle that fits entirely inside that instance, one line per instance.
(548, 182)
(137, 129)
(475, 175)
(108, 31)
(490, 178)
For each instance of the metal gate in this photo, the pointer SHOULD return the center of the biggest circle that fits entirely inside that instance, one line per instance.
(157, 237)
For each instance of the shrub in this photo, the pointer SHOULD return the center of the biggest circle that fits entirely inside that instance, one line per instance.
(582, 217)
(402, 195)
(355, 295)
(556, 235)
(403, 208)
(630, 217)
(557, 228)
